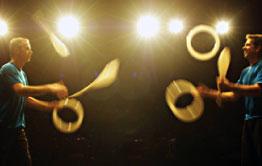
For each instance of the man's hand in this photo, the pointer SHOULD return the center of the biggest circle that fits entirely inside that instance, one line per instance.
(205, 91)
(59, 89)
(55, 105)
(224, 84)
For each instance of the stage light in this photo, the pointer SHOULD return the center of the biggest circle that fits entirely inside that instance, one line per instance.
(68, 26)
(175, 26)
(3, 28)
(222, 27)
(148, 26)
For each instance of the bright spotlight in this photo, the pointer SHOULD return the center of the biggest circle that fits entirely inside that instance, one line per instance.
(3, 28)
(175, 26)
(222, 27)
(68, 26)
(148, 26)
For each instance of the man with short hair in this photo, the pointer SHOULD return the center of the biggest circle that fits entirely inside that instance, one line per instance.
(15, 93)
(248, 86)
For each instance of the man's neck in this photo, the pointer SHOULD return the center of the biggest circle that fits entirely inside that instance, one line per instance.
(254, 60)
(18, 64)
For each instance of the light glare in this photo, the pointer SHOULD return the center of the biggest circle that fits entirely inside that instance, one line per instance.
(175, 26)
(3, 28)
(68, 26)
(222, 27)
(148, 26)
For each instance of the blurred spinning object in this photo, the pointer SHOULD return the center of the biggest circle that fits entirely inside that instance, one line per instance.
(104, 79)
(59, 46)
(69, 127)
(179, 89)
(199, 55)
(223, 63)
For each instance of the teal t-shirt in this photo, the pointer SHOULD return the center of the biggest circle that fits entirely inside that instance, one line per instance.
(249, 76)
(11, 104)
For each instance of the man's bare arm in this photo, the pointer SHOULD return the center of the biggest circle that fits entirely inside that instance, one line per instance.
(41, 105)
(56, 89)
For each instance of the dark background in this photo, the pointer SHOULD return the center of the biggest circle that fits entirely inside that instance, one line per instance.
(130, 123)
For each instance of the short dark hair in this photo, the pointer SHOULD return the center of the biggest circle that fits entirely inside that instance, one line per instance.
(256, 40)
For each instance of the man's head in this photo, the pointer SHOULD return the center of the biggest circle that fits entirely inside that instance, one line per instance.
(253, 45)
(20, 49)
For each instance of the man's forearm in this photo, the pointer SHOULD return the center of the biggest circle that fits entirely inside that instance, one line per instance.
(24, 90)
(211, 93)
(40, 105)
(246, 90)
(225, 96)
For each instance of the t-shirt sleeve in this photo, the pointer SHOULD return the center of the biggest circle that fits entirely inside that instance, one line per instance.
(26, 80)
(240, 80)
(259, 76)
(10, 76)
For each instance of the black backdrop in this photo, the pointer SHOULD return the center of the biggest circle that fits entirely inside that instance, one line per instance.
(130, 123)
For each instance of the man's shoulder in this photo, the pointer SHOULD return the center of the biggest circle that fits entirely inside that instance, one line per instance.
(246, 69)
(260, 62)
(8, 67)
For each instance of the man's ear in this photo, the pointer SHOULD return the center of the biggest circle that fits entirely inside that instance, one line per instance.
(16, 51)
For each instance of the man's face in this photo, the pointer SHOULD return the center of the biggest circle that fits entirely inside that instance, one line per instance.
(249, 49)
(26, 52)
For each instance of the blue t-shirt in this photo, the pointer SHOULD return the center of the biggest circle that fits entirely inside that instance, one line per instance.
(249, 76)
(11, 104)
